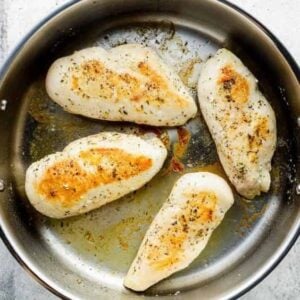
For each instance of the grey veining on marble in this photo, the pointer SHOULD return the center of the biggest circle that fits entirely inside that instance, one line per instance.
(3, 31)
(281, 16)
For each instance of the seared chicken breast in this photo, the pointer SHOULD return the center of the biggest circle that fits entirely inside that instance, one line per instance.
(91, 172)
(181, 229)
(241, 121)
(125, 83)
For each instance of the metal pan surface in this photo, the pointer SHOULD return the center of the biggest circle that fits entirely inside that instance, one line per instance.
(86, 257)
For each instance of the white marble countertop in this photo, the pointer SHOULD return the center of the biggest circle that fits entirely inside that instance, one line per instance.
(282, 17)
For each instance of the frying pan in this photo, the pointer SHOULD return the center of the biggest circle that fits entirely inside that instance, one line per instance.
(86, 257)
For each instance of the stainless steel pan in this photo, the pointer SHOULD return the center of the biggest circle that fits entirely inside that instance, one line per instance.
(87, 256)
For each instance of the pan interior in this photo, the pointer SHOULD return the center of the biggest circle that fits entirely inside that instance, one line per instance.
(99, 246)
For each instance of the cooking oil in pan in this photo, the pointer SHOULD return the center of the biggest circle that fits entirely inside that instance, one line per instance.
(113, 233)
(110, 236)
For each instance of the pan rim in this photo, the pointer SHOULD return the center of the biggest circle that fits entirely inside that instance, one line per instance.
(265, 269)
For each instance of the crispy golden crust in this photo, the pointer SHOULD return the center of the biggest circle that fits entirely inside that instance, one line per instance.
(233, 86)
(168, 251)
(255, 141)
(92, 79)
(66, 181)
(234, 89)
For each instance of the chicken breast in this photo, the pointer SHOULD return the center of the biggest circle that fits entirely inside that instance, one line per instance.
(241, 121)
(91, 172)
(181, 229)
(126, 83)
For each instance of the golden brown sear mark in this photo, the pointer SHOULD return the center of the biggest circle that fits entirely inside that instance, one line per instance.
(233, 86)
(256, 140)
(66, 181)
(92, 79)
(199, 209)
